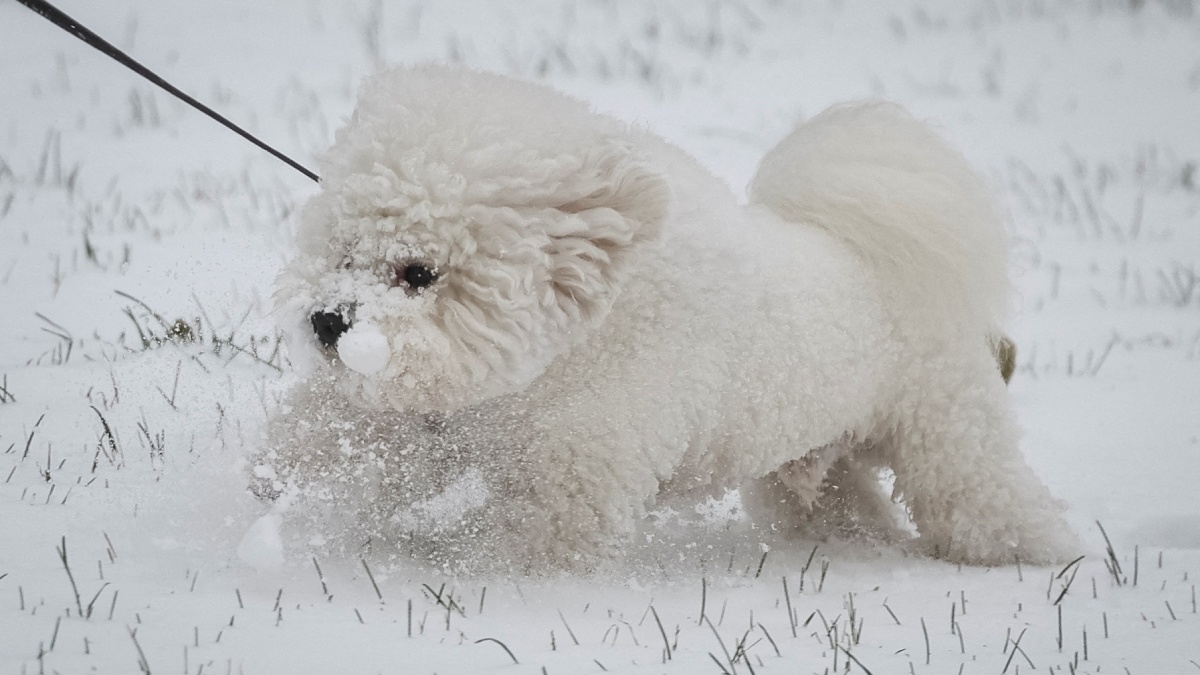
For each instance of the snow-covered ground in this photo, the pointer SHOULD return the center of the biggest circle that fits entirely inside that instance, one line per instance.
(138, 358)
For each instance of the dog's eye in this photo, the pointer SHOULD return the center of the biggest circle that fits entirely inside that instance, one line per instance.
(417, 276)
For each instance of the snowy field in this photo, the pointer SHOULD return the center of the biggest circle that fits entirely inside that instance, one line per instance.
(139, 359)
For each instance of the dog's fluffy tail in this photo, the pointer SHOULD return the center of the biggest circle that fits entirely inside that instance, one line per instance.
(904, 201)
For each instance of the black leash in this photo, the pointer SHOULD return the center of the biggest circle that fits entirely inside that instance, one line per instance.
(75, 28)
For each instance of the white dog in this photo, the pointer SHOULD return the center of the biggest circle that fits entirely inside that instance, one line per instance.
(529, 320)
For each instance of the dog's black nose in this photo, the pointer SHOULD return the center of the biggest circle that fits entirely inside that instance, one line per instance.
(329, 326)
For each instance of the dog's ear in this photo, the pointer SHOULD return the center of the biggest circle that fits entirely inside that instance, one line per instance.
(613, 204)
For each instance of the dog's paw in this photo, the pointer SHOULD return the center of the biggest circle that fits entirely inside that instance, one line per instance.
(1045, 540)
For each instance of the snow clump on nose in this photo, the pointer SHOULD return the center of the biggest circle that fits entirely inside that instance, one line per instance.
(364, 349)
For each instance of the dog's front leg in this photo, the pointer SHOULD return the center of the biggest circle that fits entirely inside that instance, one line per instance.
(579, 494)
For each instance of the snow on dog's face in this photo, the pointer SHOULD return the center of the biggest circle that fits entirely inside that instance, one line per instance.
(470, 229)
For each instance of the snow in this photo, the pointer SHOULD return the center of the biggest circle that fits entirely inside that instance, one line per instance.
(262, 546)
(450, 506)
(139, 358)
(364, 349)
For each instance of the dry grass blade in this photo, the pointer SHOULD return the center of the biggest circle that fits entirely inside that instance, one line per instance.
(502, 646)
(719, 664)
(761, 561)
(572, 633)
(1111, 562)
(770, 639)
(855, 660)
(143, 664)
(661, 630)
(891, 613)
(807, 564)
(728, 658)
(92, 604)
(1068, 567)
(29, 439)
(444, 599)
(62, 555)
(788, 599)
(925, 632)
(1074, 567)
(114, 451)
(370, 576)
(1016, 647)
(6, 396)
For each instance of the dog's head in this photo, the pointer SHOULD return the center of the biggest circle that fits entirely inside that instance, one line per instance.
(470, 229)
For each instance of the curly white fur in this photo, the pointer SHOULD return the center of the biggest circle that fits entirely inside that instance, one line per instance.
(607, 324)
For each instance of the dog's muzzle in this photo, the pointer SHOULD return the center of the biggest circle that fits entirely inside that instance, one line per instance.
(329, 326)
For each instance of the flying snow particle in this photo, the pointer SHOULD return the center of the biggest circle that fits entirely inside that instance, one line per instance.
(261, 546)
